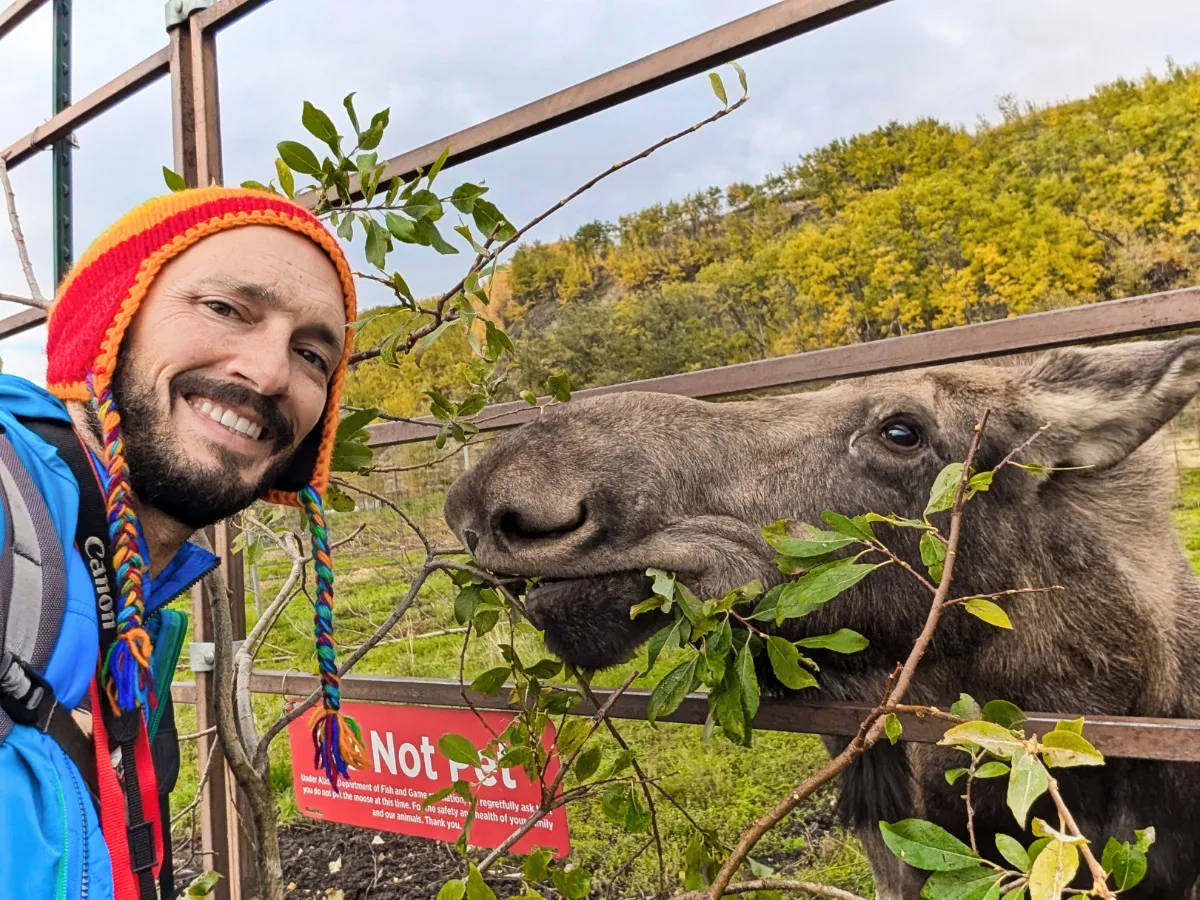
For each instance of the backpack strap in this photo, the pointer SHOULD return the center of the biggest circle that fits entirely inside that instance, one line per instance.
(127, 788)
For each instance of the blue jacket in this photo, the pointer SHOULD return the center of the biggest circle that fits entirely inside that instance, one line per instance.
(50, 840)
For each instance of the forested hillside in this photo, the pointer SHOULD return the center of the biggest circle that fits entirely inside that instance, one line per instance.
(911, 227)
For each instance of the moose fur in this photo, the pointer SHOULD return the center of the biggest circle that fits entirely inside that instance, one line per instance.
(593, 493)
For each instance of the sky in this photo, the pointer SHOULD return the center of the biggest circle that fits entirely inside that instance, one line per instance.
(445, 66)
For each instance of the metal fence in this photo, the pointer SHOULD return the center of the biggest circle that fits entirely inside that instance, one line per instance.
(189, 60)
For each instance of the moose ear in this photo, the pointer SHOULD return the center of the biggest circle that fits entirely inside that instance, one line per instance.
(1102, 403)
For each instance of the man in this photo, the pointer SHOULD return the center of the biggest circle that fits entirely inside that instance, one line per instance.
(198, 349)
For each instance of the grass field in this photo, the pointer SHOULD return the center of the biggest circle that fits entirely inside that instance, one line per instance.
(721, 785)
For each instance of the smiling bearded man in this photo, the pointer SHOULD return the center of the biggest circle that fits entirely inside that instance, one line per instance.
(198, 349)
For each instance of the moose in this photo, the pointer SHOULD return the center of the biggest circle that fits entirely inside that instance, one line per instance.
(594, 492)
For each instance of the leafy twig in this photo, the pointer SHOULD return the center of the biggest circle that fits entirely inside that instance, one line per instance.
(1099, 877)
(871, 728)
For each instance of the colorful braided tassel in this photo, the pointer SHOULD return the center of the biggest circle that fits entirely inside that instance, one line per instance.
(337, 740)
(126, 669)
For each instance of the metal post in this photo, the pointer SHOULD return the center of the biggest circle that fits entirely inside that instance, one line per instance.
(197, 144)
(63, 252)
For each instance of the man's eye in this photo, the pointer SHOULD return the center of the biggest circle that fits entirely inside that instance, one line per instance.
(222, 309)
(314, 359)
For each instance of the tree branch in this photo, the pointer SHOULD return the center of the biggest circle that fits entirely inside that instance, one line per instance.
(777, 884)
(872, 726)
(14, 220)
(1099, 878)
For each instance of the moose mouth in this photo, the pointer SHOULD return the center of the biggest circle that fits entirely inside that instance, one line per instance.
(586, 620)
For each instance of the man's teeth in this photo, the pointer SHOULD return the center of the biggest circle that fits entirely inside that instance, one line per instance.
(229, 419)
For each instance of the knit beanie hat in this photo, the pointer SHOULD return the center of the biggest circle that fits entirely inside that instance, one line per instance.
(87, 324)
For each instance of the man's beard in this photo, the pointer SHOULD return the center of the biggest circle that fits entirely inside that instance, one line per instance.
(160, 472)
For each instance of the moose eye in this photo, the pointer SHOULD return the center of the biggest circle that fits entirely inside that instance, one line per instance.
(901, 434)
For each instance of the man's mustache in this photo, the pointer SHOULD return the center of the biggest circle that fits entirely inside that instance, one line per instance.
(227, 393)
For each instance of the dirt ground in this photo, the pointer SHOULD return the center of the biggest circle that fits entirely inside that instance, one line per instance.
(371, 865)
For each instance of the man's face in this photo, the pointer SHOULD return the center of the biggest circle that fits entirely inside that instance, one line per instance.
(225, 369)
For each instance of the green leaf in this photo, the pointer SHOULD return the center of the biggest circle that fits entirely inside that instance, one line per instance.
(377, 244)
(572, 736)
(491, 680)
(465, 603)
(365, 163)
(424, 204)
(1053, 870)
(1144, 838)
(476, 888)
(808, 543)
(559, 387)
(965, 707)
(1062, 749)
(337, 499)
(1125, 863)
(952, 775)
(536, 867)
(933, 555)
(402, 229)
(573, 885)
(975, 883)
(637, 816)
(1029, 780)
(988, 612)
(374, 134)
(1010, 848)
(457, 748)
(857, 528)
(428, 235)
(1075, 725)
(818, 587)
(437, 165)
(588, 762)
(926, 846)
(1037, 847)
(545, 668)
(718, 87)
(488, 218)
(346, 228)
(741, 73)
(897, 521)
(348, 102)
(841, 641)
(299, 158)
(674, 686)
(351, 457)
(668, 638)
(747, 680)
(945, 487)
(529, 397)
(993, 769)
(991, 737)
(175, 182)
(892, 727)
(437, 796)
(256, 185)
(785, 663)
(355, 422)
(319, 125)
(1004, 714)
(203, 885)
(465, 195)
(485, 620)
(1015, 894)
(980, 481)
(726, 708)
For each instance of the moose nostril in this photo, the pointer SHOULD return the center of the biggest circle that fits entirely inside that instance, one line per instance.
(514, 526)
(471, 538)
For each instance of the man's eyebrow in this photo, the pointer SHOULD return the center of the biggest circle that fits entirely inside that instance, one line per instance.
(266, 295)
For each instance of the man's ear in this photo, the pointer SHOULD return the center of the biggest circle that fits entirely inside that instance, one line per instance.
(1102, 403)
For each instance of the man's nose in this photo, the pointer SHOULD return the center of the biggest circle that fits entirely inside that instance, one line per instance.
(263, 363)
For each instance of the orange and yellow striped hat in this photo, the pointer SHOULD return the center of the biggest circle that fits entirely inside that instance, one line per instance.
(103, 291)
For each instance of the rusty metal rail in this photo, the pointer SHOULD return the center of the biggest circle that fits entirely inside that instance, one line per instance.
(1131, 317)
(1116, 736)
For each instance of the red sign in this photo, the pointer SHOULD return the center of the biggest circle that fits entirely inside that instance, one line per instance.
(405, 767)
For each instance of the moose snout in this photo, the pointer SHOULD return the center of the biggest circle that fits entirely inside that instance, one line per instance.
(513, 529)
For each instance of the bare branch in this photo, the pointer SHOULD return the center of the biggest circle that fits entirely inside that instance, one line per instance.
(22, 250)
(1099, 879)
(24, 301)
(345, 485)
